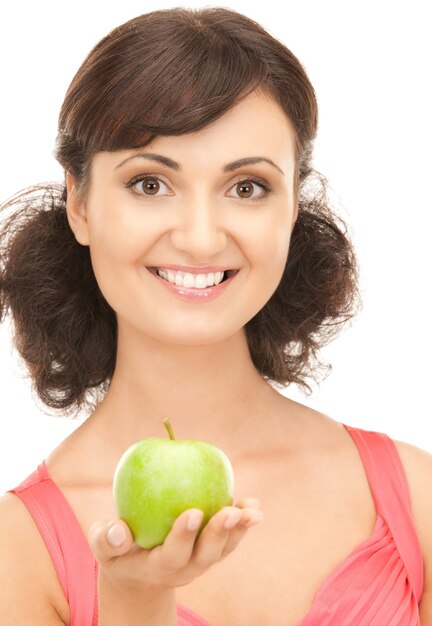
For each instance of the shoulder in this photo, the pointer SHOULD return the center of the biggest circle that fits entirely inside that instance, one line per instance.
(418, 468)
(29, 585)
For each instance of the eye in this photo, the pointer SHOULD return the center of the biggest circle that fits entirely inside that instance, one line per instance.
(145, 184)
(246, 186)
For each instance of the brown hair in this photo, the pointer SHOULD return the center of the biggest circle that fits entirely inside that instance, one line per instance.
(169, 72)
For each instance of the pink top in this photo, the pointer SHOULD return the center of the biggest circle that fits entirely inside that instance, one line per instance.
(379, 582)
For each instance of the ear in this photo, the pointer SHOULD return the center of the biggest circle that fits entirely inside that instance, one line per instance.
(76, 212)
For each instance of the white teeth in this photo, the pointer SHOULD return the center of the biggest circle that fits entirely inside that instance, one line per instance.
(188, 280)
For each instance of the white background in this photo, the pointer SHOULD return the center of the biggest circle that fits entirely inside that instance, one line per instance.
(369, 62)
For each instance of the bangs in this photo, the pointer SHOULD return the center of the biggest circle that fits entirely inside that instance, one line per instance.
(170, 82)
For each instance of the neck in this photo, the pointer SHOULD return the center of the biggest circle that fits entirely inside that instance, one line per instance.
(209, 392)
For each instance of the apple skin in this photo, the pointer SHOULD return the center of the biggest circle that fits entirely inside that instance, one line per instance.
(157, 479)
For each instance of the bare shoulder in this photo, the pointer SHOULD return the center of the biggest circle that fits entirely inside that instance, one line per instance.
(30, 592)
(418, 467)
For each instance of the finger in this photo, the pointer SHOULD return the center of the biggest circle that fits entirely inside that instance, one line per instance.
(109, 539)
(209, 546)
(176, 551)
(250, 517)
(248, 502)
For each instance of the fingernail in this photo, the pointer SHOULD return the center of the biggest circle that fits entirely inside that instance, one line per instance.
(194, 520)
(232, 519)
(116, 535)
(252, 522)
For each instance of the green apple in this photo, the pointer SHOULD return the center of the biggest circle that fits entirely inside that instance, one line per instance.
(157, 479)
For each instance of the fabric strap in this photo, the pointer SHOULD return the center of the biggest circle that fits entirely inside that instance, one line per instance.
(390, 489)
(70, 552)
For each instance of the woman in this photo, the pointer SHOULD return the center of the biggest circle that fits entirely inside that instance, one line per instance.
(187, 263)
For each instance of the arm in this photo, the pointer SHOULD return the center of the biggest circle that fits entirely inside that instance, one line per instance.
(418, 467)
(119, 607)
(137, 586)
(30, 592)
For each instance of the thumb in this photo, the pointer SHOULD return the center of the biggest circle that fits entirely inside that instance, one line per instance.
(109, 539)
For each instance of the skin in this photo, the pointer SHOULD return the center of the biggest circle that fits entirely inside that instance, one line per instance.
(190, 363)
(197, 218)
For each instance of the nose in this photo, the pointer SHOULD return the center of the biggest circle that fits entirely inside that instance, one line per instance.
(200, 233)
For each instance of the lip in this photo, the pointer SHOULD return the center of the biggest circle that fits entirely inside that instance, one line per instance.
(194, 295)
(204, 269)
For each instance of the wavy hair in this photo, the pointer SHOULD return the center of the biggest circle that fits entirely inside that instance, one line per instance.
(169, 72)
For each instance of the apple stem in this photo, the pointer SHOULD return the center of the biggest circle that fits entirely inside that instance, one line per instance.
(169, 428)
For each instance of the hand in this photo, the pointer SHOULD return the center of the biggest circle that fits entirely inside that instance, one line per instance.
(181, 558)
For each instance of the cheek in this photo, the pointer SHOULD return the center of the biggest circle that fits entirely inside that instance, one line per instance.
(115, 233)
(282, 244)
(273, 257)
(270, 244)
(117, 243)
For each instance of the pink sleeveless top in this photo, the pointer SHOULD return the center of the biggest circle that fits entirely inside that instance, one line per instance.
(379, 582)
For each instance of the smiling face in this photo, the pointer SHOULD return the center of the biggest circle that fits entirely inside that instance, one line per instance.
(193, 210)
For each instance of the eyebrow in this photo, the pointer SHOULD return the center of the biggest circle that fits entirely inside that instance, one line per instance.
(229, 167)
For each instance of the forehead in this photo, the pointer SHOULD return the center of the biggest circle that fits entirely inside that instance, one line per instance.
(255, 126)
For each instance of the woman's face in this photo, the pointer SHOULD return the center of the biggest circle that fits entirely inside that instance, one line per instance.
(139, 213)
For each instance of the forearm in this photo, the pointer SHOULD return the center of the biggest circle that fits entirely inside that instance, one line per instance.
(119, 607)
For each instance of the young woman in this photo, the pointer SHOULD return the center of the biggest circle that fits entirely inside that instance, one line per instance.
(189, 267)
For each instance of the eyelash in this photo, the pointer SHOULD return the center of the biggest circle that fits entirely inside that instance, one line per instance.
(251, 179)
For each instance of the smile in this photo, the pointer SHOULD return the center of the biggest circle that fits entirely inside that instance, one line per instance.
(194, 287)
(189, 280)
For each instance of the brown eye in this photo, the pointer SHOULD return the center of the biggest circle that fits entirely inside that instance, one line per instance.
(146, 185)
(245, 189)
(150, 186)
